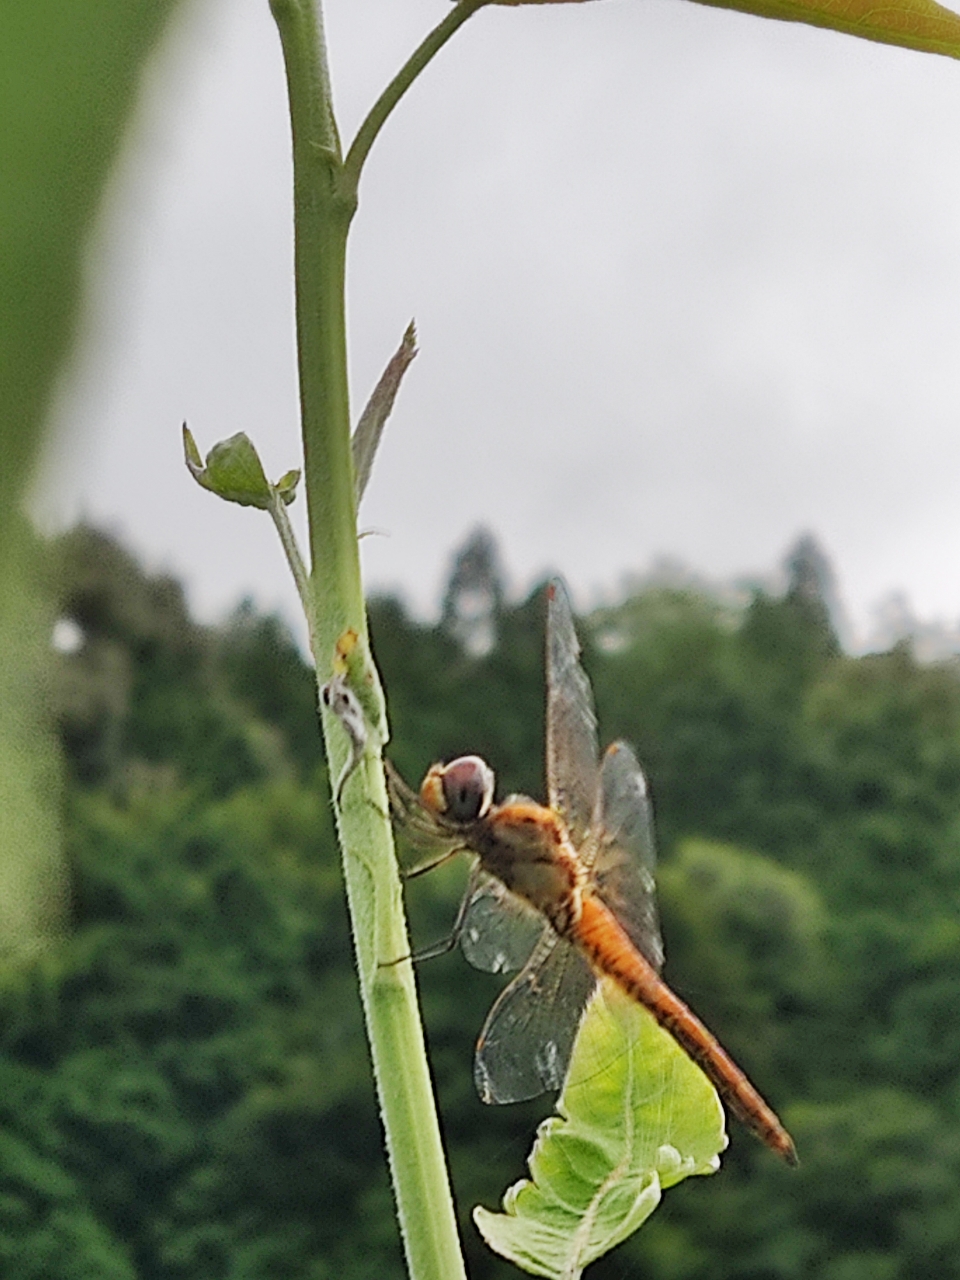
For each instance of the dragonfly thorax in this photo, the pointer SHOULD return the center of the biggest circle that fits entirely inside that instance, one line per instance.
(526, 846)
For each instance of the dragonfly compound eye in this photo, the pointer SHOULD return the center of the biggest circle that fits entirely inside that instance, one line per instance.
(467, 788)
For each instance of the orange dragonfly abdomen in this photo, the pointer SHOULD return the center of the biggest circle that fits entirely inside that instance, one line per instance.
(602, 940)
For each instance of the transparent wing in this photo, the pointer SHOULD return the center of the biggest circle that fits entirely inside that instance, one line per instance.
(572, 769)
(621, 850)
(498, 932)
(525, 1044)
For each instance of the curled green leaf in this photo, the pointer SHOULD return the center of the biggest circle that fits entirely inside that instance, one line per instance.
(191, 453)
(234, 472)
(636, 1116)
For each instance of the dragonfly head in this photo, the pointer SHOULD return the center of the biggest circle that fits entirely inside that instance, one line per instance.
(461, 791)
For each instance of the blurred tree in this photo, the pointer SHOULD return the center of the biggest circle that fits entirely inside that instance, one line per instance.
(145, 688)
(473, 600)
(812, 581)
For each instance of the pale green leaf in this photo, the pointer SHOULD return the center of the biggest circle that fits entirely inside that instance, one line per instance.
(635, 1117)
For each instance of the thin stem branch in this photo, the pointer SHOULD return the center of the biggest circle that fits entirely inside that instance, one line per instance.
(291, 549)
(401, 82)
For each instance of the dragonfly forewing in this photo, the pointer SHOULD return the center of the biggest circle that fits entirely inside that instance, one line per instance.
(572, 747)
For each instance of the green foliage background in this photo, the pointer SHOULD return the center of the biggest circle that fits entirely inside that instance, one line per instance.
(186, 1093)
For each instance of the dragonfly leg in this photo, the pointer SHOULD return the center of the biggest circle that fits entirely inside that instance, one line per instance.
(422, 867)
(428, 953)
(447, 944)
(441, 948)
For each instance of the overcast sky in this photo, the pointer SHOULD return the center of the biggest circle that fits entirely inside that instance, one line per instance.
(687, 283)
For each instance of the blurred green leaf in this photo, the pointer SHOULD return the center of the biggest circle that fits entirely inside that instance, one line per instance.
(914, 24)
(69, 75)
(68, 80)
(32, 878)
(635, 1117)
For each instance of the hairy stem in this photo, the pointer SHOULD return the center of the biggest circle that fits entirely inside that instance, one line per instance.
(323, 208)
(288, 540)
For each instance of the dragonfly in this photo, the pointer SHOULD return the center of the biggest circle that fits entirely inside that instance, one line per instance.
(563, 894)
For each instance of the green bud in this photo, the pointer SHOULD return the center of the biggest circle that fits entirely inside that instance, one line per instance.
(286, 486)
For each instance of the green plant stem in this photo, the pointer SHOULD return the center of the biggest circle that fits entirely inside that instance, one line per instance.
(322, 214)
(288, 540)
(401, 82)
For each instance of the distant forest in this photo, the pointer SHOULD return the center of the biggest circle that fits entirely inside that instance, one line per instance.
(184, 1085)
